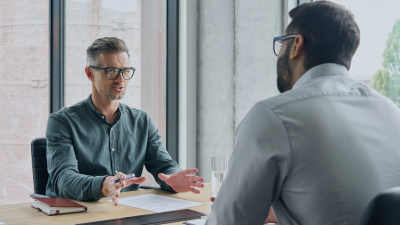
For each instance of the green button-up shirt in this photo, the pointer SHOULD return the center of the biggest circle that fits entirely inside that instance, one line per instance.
(83, 148)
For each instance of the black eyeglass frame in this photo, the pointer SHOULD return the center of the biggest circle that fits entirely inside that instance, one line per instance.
(280, 39)
(120, 71)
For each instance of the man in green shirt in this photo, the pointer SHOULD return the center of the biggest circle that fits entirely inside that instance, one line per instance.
(99, 140)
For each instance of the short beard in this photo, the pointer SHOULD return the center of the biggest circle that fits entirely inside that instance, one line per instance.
(110, 95)
(285, 76)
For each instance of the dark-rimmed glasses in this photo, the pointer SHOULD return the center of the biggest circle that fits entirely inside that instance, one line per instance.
(278, 42)
(112, 72)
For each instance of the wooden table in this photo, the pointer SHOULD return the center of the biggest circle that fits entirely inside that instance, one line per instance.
(100, 210)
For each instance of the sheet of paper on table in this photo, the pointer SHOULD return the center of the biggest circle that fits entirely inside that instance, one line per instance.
(195, 222)
(203, 221)
(156, 203)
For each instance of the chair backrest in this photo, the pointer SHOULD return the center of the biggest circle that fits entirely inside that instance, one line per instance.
(384, 209)
(39, 165)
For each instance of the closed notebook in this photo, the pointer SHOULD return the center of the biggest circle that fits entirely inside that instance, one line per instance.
(57, 206)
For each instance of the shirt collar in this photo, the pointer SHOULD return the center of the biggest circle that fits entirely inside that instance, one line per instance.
(327, 69)
(101, 116)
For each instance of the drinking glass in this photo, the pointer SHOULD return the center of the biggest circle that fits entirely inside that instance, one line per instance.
(219, 170)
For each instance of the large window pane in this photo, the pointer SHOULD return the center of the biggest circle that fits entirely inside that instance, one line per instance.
(377, 60)
(141, 24)
(24, 73)
(88, 20)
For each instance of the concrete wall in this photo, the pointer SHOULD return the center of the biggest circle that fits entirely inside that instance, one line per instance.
(236, 69)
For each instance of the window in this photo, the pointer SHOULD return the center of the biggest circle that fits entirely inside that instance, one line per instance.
(24, 95)
(141, 24)
(24, 71)
(377, 61)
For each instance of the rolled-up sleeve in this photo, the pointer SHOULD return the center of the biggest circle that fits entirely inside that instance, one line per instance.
(257, 169)
(65, 180)
(157, 158)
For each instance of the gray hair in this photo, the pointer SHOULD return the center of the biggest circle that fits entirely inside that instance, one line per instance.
(105, 44)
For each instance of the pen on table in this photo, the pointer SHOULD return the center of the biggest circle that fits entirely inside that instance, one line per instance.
(129, 176)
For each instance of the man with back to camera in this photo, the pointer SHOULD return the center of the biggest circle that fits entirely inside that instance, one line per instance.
(91, 141)
(319, 152)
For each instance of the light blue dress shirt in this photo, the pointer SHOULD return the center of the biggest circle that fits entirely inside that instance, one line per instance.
(317, 154)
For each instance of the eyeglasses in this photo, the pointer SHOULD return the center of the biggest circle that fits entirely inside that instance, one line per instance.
(278, 42)
(112, 73)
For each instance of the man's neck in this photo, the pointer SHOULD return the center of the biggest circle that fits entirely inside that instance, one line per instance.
(298, 71)
(105, 106)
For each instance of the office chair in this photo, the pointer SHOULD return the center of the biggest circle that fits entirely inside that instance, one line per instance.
(384, 209)
(39, 166)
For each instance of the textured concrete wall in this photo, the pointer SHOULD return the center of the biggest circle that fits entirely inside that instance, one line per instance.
(236, 69)
(257, 23)
(215, 82)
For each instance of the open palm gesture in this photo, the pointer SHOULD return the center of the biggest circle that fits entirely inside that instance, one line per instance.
(181, 181)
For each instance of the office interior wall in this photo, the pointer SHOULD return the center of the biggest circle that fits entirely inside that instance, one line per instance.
(236, 69)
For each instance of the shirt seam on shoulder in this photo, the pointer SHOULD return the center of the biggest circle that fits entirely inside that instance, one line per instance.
(321, 94)
(59, 116)
(62, 119)
(67, 109)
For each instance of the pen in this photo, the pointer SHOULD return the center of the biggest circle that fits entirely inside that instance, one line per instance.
(129, 176)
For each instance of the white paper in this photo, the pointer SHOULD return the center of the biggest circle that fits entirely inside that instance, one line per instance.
(203, 221)
(156, 203)
(196, 222)
(38, 196)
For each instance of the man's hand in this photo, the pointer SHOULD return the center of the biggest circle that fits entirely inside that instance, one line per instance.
(181, 181)
(271, 216)
(114, 189)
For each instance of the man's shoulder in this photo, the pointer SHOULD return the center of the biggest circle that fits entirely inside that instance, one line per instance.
(281, 99)
(134, 113)
(321, 88)
(64, 111)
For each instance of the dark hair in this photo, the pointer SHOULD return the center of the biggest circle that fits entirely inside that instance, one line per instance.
(105, 44)
(330, 33)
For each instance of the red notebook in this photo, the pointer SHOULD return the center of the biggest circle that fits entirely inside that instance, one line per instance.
(57, 206)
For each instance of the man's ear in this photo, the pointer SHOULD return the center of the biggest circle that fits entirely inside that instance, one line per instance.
(297, 47)
(89, 74)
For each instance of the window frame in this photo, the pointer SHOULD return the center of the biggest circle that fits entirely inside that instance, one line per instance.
(299, 2)
(57, 55)
(172, 79)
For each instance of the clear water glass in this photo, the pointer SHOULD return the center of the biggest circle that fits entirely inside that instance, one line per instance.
(219, 170)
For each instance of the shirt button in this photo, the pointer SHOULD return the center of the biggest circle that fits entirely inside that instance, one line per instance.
(111, 128)
(113, 149)
(116, 171)
(102, 117)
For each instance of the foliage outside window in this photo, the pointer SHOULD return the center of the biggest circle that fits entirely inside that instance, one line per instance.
(387, 80)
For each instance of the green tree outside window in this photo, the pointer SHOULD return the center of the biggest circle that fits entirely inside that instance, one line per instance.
(387, 80)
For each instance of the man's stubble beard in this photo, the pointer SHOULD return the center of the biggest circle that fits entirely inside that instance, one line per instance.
(284, 79)
(110, 95)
